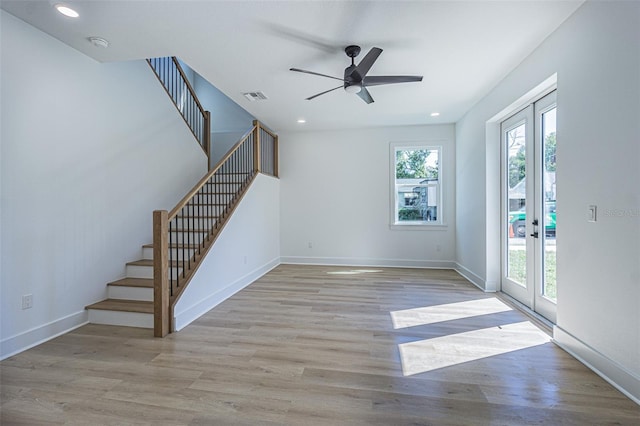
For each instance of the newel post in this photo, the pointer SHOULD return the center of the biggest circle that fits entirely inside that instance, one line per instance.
(207, 137)
(256, 145)
(160, 273)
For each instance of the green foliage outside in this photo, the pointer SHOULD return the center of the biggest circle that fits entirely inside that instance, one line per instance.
(409, 214)
(517, 169)
(550, 152)
(412, 164)
(518, 270)
(517, 165)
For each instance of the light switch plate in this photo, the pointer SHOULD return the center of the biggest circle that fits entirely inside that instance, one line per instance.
(593, 213)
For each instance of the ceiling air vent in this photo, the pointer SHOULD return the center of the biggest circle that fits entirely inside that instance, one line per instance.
(255, 96)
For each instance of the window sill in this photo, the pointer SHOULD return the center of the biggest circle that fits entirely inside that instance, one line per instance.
(418, 227)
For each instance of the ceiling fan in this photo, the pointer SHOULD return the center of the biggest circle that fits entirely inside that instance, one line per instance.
(355, 76)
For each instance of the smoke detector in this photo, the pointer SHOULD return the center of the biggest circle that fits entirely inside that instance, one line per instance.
(99, 42)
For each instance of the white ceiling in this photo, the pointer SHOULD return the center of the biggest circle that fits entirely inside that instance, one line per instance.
(463, 49)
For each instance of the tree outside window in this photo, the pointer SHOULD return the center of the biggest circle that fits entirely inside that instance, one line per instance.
(417, 185)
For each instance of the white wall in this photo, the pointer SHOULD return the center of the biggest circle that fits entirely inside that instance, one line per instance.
(229, 121)
(336, 195)
(89, 150)
(247, 248)
(596, 57)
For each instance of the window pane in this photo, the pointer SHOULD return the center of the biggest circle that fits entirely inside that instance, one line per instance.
(416, 164)
(516, 161)
(549, 217)
(417, 185)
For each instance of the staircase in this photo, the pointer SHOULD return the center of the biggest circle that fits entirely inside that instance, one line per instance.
(182, 237)
(130, 300)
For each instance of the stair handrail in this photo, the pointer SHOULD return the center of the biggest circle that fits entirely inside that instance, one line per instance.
(174, 211)
(174, 80)
(256, 152)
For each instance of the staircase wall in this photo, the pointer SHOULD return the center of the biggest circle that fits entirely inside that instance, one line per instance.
(88, 151)
(247, 248)
(230, 121)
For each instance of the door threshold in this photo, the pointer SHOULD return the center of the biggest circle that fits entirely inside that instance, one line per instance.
(537, 319)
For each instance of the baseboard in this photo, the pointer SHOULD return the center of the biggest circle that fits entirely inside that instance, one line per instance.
(354, 261)
(469, 275)
(618, 376)
(21, 342)
(193, 312)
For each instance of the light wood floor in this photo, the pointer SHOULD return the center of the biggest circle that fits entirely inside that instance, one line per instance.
(309, 345)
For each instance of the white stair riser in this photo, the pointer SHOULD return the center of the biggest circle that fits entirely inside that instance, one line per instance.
(147, 253)
(129, 319)
(137, 271)
(130, 293)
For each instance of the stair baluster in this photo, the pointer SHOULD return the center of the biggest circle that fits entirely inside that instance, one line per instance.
(204, 211)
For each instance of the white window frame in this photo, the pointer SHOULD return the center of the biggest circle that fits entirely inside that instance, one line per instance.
(393, 185)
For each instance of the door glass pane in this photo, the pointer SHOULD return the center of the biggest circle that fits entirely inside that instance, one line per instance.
(516, 199)
(549, 197)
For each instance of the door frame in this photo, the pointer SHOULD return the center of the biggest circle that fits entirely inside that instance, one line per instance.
(523, 294)
(531, 294)
(542, 304)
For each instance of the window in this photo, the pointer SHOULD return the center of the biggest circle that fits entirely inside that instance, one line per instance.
(416, 185)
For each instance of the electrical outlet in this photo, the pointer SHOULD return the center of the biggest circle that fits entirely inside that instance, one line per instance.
(27, 301)
(310, 245)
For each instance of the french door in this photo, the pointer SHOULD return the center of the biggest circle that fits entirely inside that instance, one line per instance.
(529, 206)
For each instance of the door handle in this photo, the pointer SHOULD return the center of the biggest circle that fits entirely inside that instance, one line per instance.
(535, 233)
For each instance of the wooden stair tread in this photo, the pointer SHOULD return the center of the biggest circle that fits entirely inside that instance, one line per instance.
(133, 282)
(123, 305)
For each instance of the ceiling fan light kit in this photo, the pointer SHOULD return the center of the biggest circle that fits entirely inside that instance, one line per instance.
(355, 78)
(353, 88)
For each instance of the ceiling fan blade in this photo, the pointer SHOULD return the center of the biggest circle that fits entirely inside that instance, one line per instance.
(366, 63)
(314, 73)
(365, 95)
(390, 79)
(326, 91)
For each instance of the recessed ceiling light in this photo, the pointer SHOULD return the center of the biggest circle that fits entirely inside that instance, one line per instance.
(302, 120)
(435, 114)
(66, 10)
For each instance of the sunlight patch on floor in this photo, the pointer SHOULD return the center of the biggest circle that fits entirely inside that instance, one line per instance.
(451, 311)
(427, 355)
